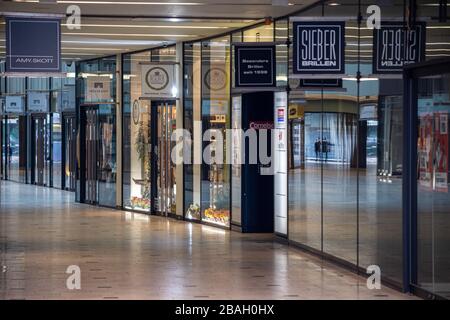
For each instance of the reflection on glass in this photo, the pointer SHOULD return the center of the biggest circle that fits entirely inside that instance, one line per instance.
(56, 150)
(433, 201)
(192, 112)
(15, 157)
(215, 188)
(106, 155)
(70, 152)
(136, 136)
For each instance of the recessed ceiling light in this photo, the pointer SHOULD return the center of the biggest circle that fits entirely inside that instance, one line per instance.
(151, 26)
(126, 34)
(134, 2)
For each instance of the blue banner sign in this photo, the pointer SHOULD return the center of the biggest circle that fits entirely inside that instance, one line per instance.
(33, 45)
(255, 66)
(318, 47)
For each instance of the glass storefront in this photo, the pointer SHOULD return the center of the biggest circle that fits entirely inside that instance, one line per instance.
(32, 140)
(136, 124)
(345, 177)
(149, 179)
(207, 116)
(433, 256)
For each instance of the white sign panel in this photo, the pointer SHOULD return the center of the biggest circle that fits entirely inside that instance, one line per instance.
(158, 81)
(38, 102)
(98, 88)
(14, 104)
(280, 162)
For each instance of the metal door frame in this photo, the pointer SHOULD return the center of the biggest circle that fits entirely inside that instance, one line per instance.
(157, 175)
(84, 187)
(64, 145)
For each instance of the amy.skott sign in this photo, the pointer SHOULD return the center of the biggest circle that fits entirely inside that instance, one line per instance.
(33, 45)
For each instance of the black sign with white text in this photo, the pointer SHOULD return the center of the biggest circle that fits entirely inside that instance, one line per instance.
(396, 46)
(255, 66)
(33, 45)
(318, 47)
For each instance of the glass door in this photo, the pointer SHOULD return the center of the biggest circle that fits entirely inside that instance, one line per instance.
(106, 155)
(98, 136)
(69, 142)
(90, 154)
(164, 175)
(40, 150)
(433, 200)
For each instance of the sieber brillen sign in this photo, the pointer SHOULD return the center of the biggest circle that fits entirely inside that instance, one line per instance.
(33, 45)
(318, 47)
(396, 46)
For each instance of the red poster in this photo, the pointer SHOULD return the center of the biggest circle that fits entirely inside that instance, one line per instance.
(424, 150)
(441, 151)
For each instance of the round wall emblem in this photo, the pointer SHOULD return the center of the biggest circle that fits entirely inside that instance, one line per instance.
(215, 79)
(157, 78)
(136, 112)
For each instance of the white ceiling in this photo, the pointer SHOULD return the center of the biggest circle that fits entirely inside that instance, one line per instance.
(110, 26)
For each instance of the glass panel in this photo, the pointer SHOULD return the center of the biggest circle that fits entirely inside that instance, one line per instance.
(70, 152)
(41, 151)
(216, 119)
(136, 137)
(14, 136)
(236, 168)
(56, 151)
(380, 157)
(433, 201)
(192, 116)
(107, 155)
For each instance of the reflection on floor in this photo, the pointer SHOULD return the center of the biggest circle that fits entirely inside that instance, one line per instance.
(134, 256)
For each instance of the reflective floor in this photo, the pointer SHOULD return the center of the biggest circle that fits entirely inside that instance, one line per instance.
(133, 256)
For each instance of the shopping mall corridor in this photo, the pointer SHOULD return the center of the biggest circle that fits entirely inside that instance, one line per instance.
(133, 256)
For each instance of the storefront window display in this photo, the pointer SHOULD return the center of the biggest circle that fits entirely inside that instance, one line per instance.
(136, 136)
(138, 131)
(192, 115)
(215, 177)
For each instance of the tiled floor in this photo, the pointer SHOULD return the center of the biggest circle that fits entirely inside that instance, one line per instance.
(132, 256)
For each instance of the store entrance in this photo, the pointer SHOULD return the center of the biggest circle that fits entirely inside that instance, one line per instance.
(88, 148)
(163, 184)
(40, 153)
(98, 152)
(69, 152)
(253, 177)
